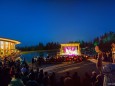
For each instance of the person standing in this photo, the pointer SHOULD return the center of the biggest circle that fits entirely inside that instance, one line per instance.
(99, 59)
(99, 62)
(33, 61)
(113, 52)
(16, 81)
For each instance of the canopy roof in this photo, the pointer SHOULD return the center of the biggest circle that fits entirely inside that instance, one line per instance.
(70, 44)
(9, 40)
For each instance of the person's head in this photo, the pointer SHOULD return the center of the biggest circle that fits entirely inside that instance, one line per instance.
(94, 73)
(12, 68)
(67, 73)
(75, 73)
(53, 73)
(41, 71)
(45, 73)
(31, 77)
(17, 76)
(61, 78)
(67, 81)
(6, 70)
(37, 69)
(31, 71)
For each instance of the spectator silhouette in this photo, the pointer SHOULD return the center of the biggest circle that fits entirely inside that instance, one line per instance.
(76, 79)
(32, 81)
(61, 81)
(40, 77)
(24, 78)
(87, 80)
(52, 79)
(93, 78)
(6, 78)
(68, 81)
(16, 81)
(45, 79)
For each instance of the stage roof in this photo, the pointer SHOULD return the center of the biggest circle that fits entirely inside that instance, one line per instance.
(70, 44)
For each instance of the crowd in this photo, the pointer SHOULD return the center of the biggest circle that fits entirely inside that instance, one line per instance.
(16, 73)
(19, 73)
(106, 56)
(38, 61)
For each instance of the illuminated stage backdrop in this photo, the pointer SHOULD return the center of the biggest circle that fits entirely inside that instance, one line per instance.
(70, 49)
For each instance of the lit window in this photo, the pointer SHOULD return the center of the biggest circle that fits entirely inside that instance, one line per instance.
(2, 47)
(6, 43)
(1, 42)
(6, 47)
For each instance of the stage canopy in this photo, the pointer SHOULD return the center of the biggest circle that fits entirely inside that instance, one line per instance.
(70, 49)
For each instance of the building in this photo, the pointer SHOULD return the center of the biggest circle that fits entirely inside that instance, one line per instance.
(7, 46)
(70, 49)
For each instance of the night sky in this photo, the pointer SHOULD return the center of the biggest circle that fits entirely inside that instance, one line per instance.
(34, 21)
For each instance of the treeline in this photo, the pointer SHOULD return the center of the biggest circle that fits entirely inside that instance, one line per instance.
(41, 46)
(104, 42)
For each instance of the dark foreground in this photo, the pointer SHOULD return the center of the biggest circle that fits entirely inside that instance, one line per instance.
(64, 74)
(82, 67)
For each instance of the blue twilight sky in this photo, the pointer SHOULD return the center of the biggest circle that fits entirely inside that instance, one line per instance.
(34, 21)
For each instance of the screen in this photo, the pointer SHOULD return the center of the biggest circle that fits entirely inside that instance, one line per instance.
(70, 50)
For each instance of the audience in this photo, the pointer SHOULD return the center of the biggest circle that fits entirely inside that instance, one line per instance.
(20, 74)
